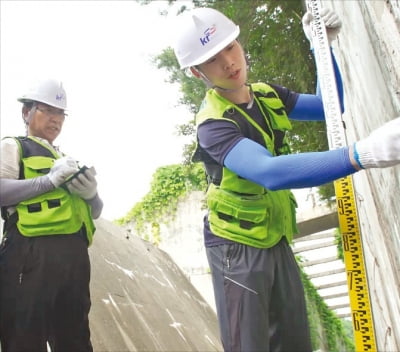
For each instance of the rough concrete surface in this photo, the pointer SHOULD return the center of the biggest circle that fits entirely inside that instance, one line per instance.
(142, 301)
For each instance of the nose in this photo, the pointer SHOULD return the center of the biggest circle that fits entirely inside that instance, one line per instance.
(226, 61)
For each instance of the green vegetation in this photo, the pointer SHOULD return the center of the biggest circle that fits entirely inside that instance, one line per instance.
(169, 183)
(339, 245)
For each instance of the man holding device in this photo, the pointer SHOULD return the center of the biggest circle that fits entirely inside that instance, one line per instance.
(48, 205)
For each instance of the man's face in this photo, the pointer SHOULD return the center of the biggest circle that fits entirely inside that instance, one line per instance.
(228, 68)
(45, 121)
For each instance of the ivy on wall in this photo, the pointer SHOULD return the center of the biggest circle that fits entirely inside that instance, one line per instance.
(168, 185)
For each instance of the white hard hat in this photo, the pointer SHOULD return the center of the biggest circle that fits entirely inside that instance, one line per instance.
(49, 91)
(202, 33)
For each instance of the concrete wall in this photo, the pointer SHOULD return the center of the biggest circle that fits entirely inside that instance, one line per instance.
(368, 51)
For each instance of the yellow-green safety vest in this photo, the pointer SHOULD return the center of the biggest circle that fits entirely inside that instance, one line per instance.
(54, 212)
(239, 209)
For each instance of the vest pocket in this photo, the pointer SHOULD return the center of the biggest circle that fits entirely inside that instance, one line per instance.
(243, 207)
(47, 214)
(37, 166)
(232, 214)
(255, 220)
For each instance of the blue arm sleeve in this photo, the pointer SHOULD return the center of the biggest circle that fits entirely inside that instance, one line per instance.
(253, 162)
(310, 107)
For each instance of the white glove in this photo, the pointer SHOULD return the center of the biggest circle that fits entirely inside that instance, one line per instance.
(62, 169)
(331, 20)
(381, 148)
(84, 185)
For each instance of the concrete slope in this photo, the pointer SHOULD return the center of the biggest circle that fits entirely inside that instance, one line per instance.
(142, 301)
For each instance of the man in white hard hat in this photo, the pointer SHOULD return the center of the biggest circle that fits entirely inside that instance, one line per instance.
(48, 205)
(241, 134)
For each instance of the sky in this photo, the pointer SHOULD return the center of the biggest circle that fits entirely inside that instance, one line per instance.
(122, 113)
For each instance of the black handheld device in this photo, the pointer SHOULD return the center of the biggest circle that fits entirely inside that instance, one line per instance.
(80, 171)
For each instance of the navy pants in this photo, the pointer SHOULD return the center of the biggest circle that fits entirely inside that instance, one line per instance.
(259, 298)
(44, 293)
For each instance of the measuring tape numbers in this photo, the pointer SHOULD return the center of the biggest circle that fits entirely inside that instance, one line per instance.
(357, 280)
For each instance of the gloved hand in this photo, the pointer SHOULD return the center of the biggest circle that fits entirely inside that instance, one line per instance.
(381, 148)
(84, 185)
(62, 169)
(331, 20)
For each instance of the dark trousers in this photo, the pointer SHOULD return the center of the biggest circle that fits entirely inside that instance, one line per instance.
(44, 293)
(259, 298)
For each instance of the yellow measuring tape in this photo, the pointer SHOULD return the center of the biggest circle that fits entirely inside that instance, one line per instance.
(357, 281)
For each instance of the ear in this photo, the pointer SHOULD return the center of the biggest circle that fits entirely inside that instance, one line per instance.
(25, 114)
(195, 72)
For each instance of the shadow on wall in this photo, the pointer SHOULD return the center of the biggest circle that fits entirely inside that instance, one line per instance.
(142, 301)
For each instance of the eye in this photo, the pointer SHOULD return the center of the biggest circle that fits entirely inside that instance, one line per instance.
(211, 60)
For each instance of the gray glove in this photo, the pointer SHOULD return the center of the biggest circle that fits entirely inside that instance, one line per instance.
(381, 148)
(331, 20)
(62, 169)
(84, 185)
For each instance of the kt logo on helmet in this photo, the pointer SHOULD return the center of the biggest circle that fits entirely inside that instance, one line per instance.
(207, 34)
